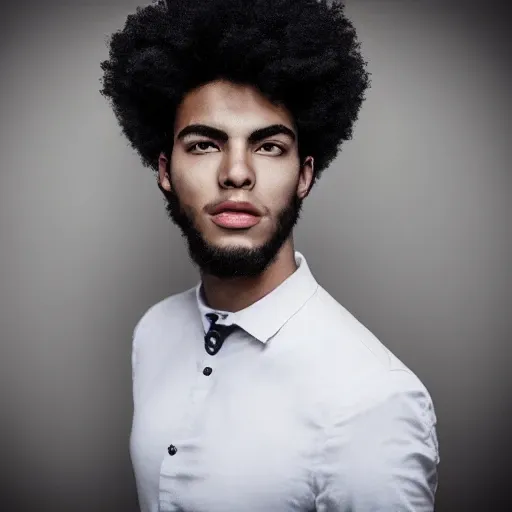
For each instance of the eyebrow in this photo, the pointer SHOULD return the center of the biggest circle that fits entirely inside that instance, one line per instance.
(215, 133)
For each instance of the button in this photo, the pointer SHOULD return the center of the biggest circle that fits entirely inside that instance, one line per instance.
(172, 450)
(213, 339)
(207, 371)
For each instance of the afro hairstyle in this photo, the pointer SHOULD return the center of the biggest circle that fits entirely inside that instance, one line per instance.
(303, 54)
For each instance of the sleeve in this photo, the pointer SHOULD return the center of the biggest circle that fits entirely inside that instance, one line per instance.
(381, 453)
(134, 350)
(134, 360)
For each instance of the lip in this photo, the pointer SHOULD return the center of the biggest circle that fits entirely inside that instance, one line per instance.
(236, 206)
(236, 219)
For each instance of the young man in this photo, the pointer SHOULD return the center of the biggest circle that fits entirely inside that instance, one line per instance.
(255, 390)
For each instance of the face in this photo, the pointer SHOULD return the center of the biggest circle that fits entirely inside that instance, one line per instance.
(232, 158)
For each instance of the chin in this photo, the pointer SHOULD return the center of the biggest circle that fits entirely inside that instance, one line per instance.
(235, 247)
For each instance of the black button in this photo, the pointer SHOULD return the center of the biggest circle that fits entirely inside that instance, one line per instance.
(212, 339)
(172, 450)
(207, 371)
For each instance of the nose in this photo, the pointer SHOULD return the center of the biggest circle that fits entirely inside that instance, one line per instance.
(237, 170)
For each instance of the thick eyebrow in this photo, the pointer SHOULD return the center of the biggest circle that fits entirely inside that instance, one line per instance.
(215, 133)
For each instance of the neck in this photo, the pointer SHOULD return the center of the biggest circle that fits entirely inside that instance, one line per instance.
(237, 293)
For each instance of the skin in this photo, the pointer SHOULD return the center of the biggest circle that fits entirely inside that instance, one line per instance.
(238, 267)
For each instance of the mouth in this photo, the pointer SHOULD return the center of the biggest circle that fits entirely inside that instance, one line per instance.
(235, 219)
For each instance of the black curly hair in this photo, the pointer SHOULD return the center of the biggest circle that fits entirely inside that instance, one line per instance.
(302, 54)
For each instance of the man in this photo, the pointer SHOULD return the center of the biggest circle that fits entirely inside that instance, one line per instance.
(255, 390)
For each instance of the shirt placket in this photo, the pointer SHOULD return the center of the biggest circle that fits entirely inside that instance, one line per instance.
(182, 461)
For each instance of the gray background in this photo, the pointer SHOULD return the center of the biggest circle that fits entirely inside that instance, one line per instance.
(409, 229)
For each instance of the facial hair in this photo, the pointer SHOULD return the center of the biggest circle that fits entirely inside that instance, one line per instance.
(228, 262)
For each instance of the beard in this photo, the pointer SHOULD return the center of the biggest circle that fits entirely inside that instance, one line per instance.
(229, 262)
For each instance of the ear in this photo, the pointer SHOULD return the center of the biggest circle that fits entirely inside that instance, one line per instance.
(163, 172)
(307, 171)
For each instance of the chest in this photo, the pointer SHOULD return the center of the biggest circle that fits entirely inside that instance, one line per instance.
(220, 438)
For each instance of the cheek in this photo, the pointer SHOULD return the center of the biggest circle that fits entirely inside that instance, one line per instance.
(277, 193)
(192, 188)
(194, 199)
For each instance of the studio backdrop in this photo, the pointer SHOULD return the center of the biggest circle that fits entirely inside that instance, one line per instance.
(409, 229)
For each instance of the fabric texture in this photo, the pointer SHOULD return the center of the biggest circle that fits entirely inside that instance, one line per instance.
(302, 409)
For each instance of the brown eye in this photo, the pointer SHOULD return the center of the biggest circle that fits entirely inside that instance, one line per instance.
(202, 146)
(269, 146)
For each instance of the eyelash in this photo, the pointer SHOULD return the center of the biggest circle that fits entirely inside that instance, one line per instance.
(190, 148)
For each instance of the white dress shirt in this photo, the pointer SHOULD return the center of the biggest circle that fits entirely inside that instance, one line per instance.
(302, 409)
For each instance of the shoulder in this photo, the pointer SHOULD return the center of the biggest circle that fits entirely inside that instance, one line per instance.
(356, 369)
(342, 344)
(166, 313)
(399, 392)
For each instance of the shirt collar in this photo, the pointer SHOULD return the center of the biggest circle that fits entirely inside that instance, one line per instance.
(264, 318)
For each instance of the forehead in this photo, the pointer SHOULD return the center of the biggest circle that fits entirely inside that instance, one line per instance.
(237, 109)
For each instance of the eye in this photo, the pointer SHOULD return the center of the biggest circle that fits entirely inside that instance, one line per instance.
(202, 145)
(271, 145)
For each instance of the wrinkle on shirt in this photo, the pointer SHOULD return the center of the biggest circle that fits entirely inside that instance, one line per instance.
(302, 409)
